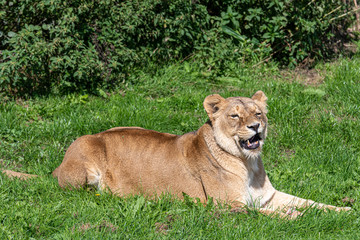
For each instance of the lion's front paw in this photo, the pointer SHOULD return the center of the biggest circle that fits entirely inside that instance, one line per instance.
(341, 209)
(291, 214)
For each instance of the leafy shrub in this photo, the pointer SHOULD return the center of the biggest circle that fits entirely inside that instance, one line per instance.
(53, 45)
(294, 30)
(82, 45)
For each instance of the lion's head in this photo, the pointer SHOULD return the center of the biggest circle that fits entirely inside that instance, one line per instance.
(239, 123)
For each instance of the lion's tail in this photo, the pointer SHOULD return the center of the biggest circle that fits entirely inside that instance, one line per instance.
(22, 176)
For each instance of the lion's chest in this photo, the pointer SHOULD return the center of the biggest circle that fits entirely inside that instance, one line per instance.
(259, 190)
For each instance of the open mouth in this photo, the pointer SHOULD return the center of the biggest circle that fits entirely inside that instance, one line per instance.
(251, 143)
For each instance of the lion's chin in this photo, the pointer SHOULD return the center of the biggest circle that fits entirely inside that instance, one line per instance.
(251, 154)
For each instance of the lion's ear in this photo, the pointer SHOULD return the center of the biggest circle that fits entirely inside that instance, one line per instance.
(212, 104)
(260, 99)
(259, 96)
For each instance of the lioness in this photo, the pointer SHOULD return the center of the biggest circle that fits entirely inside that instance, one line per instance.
(219, 160)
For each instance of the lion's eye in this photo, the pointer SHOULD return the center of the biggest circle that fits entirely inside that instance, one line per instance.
(258, 114)
(234, 116)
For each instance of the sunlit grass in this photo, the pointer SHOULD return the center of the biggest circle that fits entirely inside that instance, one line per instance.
(312, 151)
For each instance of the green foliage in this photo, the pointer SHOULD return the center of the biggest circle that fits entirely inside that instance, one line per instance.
(294, 30)
(66, 46)
(83, 45)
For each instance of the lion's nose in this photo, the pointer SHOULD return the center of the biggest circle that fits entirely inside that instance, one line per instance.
(254, 127)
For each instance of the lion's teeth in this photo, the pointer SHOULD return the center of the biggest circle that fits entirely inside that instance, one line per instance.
(248, 142)
(256, 142)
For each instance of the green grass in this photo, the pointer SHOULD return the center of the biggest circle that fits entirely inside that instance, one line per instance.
(312, 151)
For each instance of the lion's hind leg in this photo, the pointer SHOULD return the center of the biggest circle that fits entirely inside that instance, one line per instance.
(71, 173)
(80, 166)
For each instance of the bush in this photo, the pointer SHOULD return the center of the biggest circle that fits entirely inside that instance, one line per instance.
(294, 30)
(53, 45)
